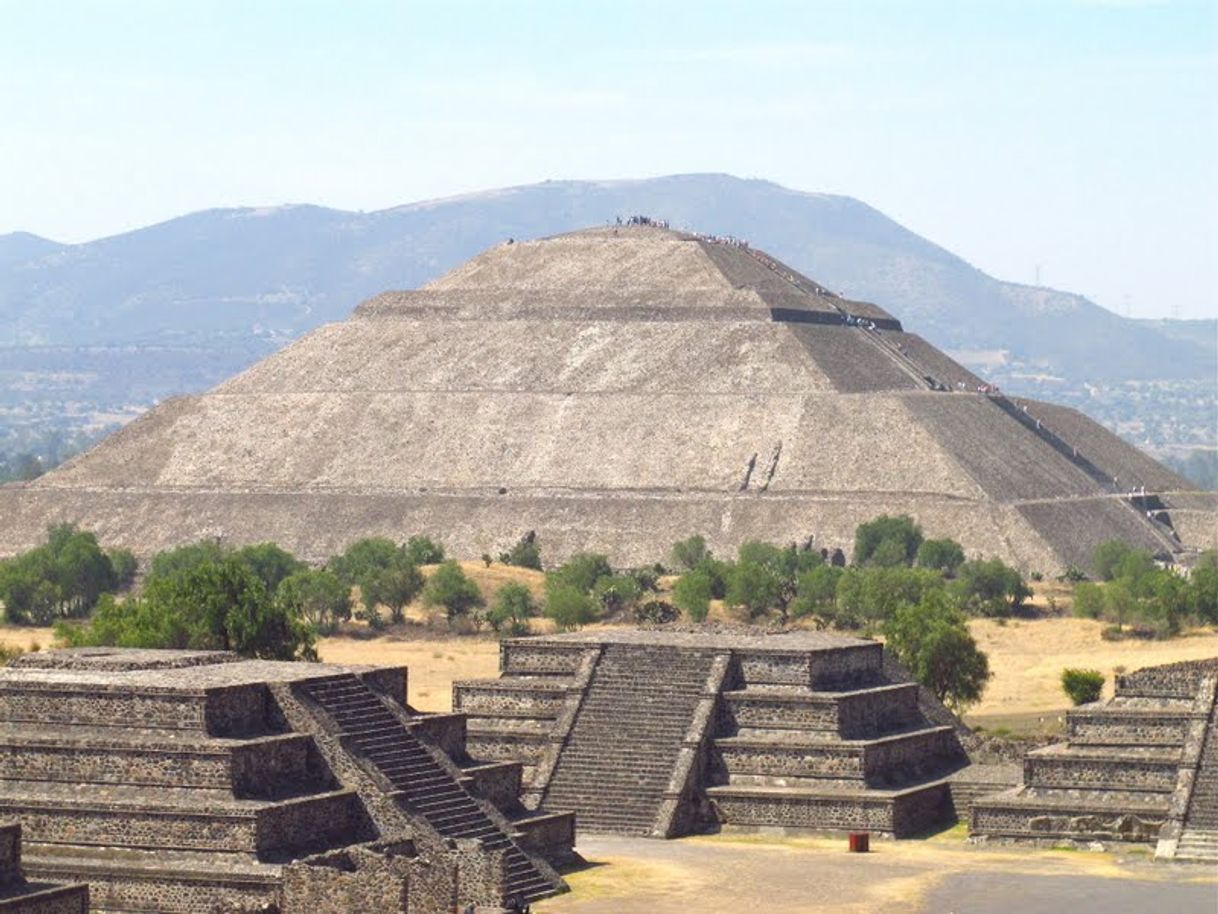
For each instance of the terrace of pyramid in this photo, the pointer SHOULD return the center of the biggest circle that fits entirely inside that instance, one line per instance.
(614, 389)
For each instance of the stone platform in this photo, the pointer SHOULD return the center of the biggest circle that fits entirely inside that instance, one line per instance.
(18, 895)
(663, 733)
(1141, 767)
(174, 781)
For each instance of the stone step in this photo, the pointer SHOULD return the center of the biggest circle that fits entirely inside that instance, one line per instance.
(255, 767)
(1086, 815)
(1088, 768)
(166, 881)
(897, 812)
(1198, 845)
(180, 819)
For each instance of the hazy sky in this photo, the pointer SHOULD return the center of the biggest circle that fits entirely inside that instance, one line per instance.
(1080, 135)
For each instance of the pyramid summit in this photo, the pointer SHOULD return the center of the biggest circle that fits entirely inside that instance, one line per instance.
(615, 389)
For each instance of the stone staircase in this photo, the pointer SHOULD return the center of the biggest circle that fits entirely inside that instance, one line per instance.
(1199, 840)
(428, 789)
(619, 758)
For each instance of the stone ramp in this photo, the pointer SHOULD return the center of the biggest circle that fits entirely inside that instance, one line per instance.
(621, 754)
(427, 788)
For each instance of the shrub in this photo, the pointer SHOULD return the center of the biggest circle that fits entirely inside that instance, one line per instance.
(569, 607)
(512, 608)
(656, 612)
(692, 593)
(943, 555)
(1083, 686)
(1203, 588)
(887, 541)
(9, 653)
(616, 592)
(525, 554)
(1072, 575)
(691, 552)
(931, 638)
(449, 587)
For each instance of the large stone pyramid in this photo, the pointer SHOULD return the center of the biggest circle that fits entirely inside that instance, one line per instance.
(617, 389)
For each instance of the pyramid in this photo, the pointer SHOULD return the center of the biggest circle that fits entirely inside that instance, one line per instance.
(615, 389)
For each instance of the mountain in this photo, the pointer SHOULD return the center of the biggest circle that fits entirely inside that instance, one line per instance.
(244, 281)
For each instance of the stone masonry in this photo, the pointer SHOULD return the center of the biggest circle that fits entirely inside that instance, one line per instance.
(20, 896)
(666, 733)
(1141, 767)
(193, 782)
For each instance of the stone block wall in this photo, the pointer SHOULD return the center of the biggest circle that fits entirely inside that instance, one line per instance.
(10, 852)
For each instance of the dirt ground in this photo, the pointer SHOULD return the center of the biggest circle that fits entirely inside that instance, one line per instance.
(727, 874)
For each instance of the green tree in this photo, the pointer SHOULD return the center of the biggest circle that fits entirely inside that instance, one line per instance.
(1088, 600)
(816, 592)
(581, 571)
(1083, 686)
(217, 605)
(691, 552)
(692, 593)
(874, 593)
(1203, 587)
(393, 585)
(317, 596)
(512, 608)
(569, 607)
(449, 587)
(753, 586)
(170, 562)
(63, 578)
(362, 558)
(887, 541)
(422, 550)
(945, 555)
(931, 638)
(1107, 556)
(271, 563)
(990, 587)
(125, 565)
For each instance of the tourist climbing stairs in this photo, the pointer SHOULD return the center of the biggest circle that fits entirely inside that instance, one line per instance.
(621, 753)
(1199, 840)
(429, 790)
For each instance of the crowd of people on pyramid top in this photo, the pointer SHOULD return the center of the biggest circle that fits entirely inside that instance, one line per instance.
(643, 220)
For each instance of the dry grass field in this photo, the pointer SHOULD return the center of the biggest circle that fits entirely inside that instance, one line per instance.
(1026, 655)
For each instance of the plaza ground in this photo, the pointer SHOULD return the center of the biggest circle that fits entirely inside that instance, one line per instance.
(727, 874)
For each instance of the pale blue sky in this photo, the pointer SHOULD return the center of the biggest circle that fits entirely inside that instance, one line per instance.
(1081, 135)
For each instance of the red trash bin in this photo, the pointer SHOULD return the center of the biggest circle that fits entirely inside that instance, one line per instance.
(860, 842)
